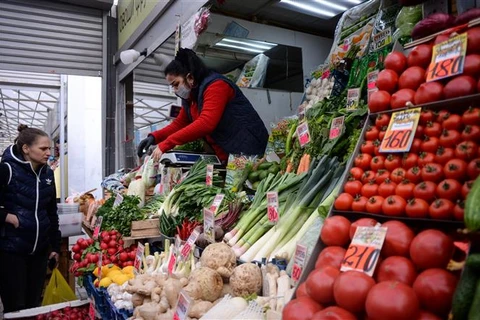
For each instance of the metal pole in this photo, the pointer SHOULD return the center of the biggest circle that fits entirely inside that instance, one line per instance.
(63, 103)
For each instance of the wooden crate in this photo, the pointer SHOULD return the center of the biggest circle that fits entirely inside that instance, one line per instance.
(146, 228)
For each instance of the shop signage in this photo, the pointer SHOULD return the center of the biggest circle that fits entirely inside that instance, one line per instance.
(272, 206)
(183, 306)
(299, 262)
(448, 58)
(401, 131)
(337, 127)
(364, 250)
(209, 225)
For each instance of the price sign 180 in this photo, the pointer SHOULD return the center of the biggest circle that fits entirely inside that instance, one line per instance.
(448, 58)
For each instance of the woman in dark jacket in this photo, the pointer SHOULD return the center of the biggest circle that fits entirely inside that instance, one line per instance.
(28, 219)
(214, 109)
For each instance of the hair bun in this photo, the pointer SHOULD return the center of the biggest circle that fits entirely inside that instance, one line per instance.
(22, 127)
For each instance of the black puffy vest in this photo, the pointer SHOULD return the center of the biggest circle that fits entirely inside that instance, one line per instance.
(240, 130)
(27, 196)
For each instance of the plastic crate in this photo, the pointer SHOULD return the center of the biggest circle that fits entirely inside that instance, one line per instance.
(98, 295)
(118, 314)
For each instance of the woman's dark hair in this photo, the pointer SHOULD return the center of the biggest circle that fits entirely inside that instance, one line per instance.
(186, 61)
(27, 136)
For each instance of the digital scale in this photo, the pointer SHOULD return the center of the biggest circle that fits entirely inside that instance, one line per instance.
(182, 158)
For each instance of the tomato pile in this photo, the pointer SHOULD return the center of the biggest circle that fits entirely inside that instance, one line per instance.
(410, 281)
(69, 313)
(404, 78)
(431, 181)
(86, 252)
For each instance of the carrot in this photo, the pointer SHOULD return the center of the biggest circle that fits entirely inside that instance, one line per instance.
(300, 164)
(289, 167)
(307, 163)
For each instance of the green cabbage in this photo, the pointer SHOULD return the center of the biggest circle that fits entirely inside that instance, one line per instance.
(409, 16)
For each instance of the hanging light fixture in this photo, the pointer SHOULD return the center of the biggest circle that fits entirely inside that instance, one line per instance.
(131, 55)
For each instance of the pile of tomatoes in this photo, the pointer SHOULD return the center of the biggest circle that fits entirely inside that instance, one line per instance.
(432, 180)
(410, 281)
(68, 313)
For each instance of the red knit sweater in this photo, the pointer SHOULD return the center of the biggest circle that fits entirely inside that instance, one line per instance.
(181, 130)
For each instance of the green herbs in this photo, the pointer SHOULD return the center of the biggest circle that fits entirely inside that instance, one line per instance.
(120, 217)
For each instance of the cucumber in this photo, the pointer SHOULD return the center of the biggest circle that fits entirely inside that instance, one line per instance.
(253, 176)
(274, 169)
(265, 165)
(472, 207)
(473, 261)
(463, 297)
(474, 313)
(263, 175)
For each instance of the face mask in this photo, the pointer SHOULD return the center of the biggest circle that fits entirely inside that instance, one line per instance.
(183, 92)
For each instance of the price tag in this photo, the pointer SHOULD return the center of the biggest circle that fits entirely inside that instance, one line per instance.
(183, 306)
(448, 58)
(118, 200)
(209, 179)
(303, 134)
(96, 228)
(372, 78)
(272, 206)
(209, 225)
(172, 261)
(217, 202)
(91, 310)
(299, 262)
(336, 127)
(382, 39)
(362, 254)
(346, 44)
(137, 264)
(99, 265)
(353, 96)
(187, 247)
(401, 131)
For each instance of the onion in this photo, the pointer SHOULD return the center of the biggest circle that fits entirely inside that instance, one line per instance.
(467, 16)
(432, 24)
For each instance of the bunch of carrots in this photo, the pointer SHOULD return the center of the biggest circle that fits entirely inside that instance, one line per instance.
(303, 166)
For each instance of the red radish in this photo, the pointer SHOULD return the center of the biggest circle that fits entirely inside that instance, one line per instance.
(420, 56)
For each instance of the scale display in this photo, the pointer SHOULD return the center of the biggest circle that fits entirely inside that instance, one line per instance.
(184, 158)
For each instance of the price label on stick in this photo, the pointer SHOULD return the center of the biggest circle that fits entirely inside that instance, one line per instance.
(209, 225)
(172, 261)
(118, 200)
(187, 247)
(372, 78)
(299, 262)
(401, 131)
(303, 134)
(99, 265)
(97, 227)
(448, 58)
(209, 179)
(364, 250)
(272, 206)
(137, 264)
(382, 39)
(337, 127)
(183, 306)
(353, 96)
(217, 202)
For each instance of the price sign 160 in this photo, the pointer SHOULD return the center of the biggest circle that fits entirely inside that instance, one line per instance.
(396, 140)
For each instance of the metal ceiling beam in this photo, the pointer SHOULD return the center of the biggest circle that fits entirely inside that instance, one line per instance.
(48, 107)
(44, 101)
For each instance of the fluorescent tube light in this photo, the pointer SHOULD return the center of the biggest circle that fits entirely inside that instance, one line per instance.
(355, 1)
(309, 8)
(331, 5)
(250, 44)
(238, 47)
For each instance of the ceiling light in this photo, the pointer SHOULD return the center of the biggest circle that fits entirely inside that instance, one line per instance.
(254, 44)
(238, 47)
(331, 5)
(131, 55)
(309, 8)
(355, 1)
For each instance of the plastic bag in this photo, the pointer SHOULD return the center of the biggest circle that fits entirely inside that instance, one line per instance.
(254, 72)
(57, 290)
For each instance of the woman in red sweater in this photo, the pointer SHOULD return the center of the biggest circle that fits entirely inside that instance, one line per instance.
(214, 109)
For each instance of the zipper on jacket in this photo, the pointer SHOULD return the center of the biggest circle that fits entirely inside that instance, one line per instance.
(36, 207)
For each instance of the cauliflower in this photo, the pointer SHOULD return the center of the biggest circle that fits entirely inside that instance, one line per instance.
(246, 280)
(204, 284)
(219, 257)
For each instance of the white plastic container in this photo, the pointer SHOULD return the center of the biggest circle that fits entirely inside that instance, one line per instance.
(70, 224)
(65, 208)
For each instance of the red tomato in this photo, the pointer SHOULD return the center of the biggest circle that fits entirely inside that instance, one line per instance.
(368, 176)
(426, 116)
(411, 78)
(396, 268)
(363, 222)
(471, 66)
(353, 187)
(449, 189)
(450, 138)
(376, 150)
(382, 133)
(382, 120)
(431, 249)
(452, 122)
(443, 155)
(435, 288)
(363, 161)
(387, 188)
(414, 175)
(334, 313)
(473, 40)
(459, 211)
(442, 115)
(387, 80)
(405, 189)
(417, 208)
(302, 290)
(396, 61)
(401, 97)
(429, 92)
(377, 163)
(398, 175)
(344, 202)
(441, 209)
(392, 300)
(471, 132)
(359, 204)
(351, 289)
(372, 133)
(430, 144)
(425, 190)
(374, 204)
(356, 173)
(392, 162)
(320, 284)
(466, 150)
(432, 172)
(467, 186)
(420, 56)
(433, 129)
(398, 239)
(330, 256)
(420, 132)
(460, 86)
(425, 158)
(379, 101)
(394, 206)
(409, 160)
(425, 315)
(473, 169)
(471, 116)
(335, 231)
(367, 147)
(369, 189)
(416, 144)
(302, 308)
(381, 176)
(455, 169)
